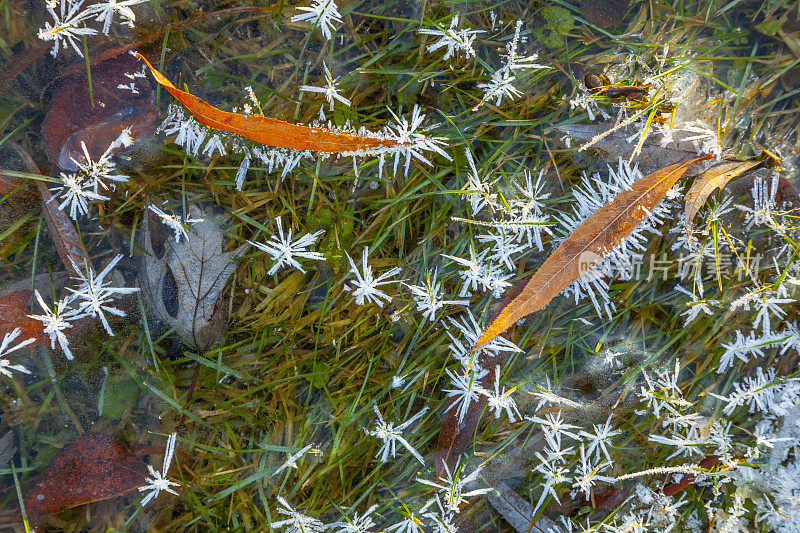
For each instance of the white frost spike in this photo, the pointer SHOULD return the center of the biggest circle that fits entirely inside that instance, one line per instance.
(95, 293)
(411, 142)
(103, 169)
(765, 205)
(291, 461)
(65, 26)
(360, 523)
(365, 288)
(745, 346)
(501, 83)
(242, 171)
(330, 90)
(391, 435)
(56, 320)
(322, 14)
(453, 489)
(297, 521)
(478, 190)
(430, 297)
(283, 251)
(758, 392)
(76, 191)
(175, 222)
(466, 389)
(455, 40)
(500, 401)
(471, 331)
(159, 480)
(5, 349)
(105, 12)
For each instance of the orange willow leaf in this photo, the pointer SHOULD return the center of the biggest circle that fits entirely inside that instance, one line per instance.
(270, 131)
(597, 236)
(715, 177)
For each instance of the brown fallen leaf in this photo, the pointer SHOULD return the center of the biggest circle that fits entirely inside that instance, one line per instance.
(90, 468)
(454, 436)
(270, 131)
(715, 177)
(787, 196)
(613, 144)
(674, 487)
(71, 118)
(184, 280)
(65, 237)
(14, 314)
(62, 230)
(593, 239)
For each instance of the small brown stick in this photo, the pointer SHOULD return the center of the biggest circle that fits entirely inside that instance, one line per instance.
(189, 397)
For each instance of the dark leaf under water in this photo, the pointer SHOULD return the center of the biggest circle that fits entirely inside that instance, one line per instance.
(72, 118)
(90, 468)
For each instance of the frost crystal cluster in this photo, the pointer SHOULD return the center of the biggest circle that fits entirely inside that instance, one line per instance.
(68, 23)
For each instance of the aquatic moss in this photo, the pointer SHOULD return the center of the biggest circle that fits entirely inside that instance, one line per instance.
(557, 22)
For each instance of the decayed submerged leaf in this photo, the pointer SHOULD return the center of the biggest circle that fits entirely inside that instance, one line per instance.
(614, 145)
(715, 177)
(63, 232)
(183, 280)
(592, 240)
(517, 511)
(270, 131)
(71, 117)
(456, 436)
(14, 314)
(90, 468)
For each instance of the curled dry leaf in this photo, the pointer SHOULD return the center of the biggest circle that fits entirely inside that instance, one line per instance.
(270, 131)
(593, 239)
(90, 468)
(715, 177)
